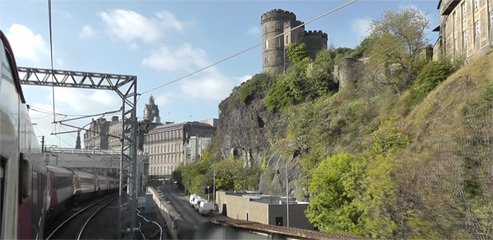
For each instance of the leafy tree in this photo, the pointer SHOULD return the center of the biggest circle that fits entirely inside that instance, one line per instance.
(334, 186)
(362, 49)
(320, 76)
(256, 86)
(297, 53)
(304, 80)
(396, 41)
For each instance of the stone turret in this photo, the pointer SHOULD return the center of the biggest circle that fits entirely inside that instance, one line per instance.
(273, 23)
(279, 29)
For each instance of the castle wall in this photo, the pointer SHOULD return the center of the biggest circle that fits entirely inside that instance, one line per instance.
(315, 41)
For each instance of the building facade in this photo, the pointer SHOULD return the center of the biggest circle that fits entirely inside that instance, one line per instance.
(263, 209)
(173, 144)
(96, 137)
(281, 28)
(465, 28)
(106, 135)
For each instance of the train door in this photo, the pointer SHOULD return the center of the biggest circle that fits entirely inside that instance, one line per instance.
(2, 182)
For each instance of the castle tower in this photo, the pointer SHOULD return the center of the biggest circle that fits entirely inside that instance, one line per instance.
(151, 111)
(273, 24)
(278, 21)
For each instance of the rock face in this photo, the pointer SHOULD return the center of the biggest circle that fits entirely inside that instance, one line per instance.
(247, 130)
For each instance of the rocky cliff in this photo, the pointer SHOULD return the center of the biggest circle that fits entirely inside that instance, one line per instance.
(248, 130)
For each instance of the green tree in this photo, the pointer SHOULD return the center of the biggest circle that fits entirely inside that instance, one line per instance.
(297, 53)
(333, 188)
(396, 41)
(319, 74)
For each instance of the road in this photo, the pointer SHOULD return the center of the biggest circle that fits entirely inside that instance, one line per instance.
(180, 202)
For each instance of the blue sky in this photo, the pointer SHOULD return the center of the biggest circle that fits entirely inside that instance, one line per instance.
(160, 41)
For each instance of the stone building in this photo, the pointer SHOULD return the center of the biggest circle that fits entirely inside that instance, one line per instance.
(173, 144)
(263, 209)
(281, 28)
(465, 28)
(97, 135)
(106, 135)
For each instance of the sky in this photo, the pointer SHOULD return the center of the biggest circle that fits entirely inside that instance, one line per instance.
(161, 41)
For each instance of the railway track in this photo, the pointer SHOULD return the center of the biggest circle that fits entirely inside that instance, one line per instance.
(74, 226)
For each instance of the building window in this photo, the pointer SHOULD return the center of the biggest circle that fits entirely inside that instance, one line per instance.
(464, 42)
(491, 26)
(464, 11)
(278, 26)
(266, 44)
(279, 42)
(266, 60)
(287, 39)
(477, 33)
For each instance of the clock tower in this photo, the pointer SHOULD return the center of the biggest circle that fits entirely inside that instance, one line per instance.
(151, 111)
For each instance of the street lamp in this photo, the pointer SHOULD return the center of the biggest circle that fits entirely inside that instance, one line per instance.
(208, 193)
(287, 197)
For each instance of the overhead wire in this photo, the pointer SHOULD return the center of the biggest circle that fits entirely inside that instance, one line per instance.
(41, 110)
(248, 48)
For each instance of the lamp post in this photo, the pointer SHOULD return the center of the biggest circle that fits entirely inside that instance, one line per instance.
(287, 197)
(208, 193)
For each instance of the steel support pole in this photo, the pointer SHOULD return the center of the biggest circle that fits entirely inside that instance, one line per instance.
(287, 197)
(133, 163)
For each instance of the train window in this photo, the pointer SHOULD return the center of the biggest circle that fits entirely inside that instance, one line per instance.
(87, 181)
(24, 178)
(63, 182)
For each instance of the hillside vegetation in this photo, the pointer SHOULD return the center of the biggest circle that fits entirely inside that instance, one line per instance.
(404, 152)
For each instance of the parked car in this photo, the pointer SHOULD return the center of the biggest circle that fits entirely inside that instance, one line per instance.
(206, 207)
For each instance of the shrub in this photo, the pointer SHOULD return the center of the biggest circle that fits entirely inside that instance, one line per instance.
(257, 84)
(429, 77)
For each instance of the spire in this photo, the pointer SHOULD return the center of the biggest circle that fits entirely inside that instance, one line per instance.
(77, 142)
(151, 100)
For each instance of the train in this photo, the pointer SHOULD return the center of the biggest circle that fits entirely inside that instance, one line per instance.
(31, 191)
(67, 187)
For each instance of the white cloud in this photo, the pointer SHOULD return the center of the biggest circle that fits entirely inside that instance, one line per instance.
(184, 58)
(210, 84)
(27, 45)
(361, 27)
(76, 101)
(131, 26)
(253, 31)
(87, 32)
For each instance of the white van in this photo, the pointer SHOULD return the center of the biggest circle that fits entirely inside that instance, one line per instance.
(206, 208)
(196, 202)
(192, 199)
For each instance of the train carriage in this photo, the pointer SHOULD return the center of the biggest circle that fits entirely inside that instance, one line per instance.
(22, 169)
(61, 186)
(85, 185)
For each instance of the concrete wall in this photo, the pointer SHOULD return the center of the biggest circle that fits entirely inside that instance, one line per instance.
(238, 207)
(242, 208)
(297, 217)
(176, 227)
